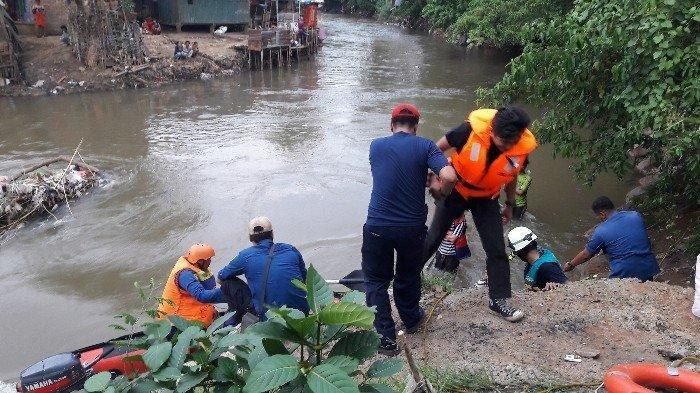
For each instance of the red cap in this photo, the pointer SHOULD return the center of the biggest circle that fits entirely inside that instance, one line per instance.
(405, 110)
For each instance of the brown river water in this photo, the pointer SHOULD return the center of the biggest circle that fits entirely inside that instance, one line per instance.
(194, 162)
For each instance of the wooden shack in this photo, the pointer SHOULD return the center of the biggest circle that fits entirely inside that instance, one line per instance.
(210, 13)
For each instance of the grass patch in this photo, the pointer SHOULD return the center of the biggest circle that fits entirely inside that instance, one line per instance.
(431, 280)
(459, 381)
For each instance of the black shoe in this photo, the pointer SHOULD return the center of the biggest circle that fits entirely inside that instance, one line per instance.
(389, 348)
(500, 307)
(416, 327)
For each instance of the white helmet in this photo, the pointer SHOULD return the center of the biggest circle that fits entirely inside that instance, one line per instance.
(520, 237)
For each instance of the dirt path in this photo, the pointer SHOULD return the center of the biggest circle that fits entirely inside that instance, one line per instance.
(624, 321)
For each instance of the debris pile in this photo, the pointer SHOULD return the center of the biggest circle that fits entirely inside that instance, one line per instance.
(38, 190)
(102, 34)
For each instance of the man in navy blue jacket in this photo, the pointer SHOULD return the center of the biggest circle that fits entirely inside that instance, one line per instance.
(287, 264)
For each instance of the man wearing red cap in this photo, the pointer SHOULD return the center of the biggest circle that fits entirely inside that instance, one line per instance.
(396, 221)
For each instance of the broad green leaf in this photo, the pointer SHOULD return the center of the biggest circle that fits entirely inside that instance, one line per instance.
(384, 368)
(229, 366)
(234, 389)
(272, 329)
(354, 297)
(318, 293)
(145, 385)
(274, 347)
(157, 330)
(218, 322)
(182, 347)
(188, 381)
(234, 338)
(343, 362)
(179, 322)
(156, 355)
(347, 314)
(304, 327)
(328, 378)
(330, 331)
(375, 387)
(296, 386)
(358, 345)
(297, 283)
(110, 389)
(98, 382)
(272, 373)
(167, 374)
(256, 356)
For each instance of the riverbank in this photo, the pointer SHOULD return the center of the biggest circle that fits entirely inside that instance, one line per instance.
(605, 322)
(50, 67)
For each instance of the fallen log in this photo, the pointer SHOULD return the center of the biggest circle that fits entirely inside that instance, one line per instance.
(66, 159)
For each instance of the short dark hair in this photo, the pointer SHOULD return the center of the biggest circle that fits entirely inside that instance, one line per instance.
(258, 237)
(602, 203)
(510, 122)
(405, 121)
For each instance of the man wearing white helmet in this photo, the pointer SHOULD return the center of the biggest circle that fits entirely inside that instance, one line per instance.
(542, 269)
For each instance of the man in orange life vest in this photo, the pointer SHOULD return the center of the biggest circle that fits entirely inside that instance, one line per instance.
(191, 291)
(490, 148)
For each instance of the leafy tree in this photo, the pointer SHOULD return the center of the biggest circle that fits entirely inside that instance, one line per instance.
(443, 13)
(290, 352)
(502, 23)
(611, 76)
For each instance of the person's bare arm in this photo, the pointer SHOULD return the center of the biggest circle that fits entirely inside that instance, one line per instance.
(448, 178)
(443, 145)
(580, 258)
(510, 201)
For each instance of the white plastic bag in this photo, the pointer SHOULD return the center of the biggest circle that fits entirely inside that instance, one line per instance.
(696, 304)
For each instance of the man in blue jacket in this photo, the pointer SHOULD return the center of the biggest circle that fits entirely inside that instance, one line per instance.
(622, 236)
(286, 264)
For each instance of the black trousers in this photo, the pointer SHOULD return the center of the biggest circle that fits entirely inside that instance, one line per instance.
(237, 295)
(378, 247)
(487, 219)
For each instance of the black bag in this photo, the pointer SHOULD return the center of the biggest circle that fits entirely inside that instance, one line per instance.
(249, 318)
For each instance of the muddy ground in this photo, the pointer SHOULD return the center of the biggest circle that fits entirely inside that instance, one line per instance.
(50, 67)
(620, 321)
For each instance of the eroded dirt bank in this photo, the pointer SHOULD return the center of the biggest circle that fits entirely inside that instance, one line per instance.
(50, 68)
(615, 321)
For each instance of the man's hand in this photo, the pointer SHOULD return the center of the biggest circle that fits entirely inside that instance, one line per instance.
(507, 214)
(569, 266)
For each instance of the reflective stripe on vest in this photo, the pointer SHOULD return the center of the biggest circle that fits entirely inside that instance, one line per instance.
(183, 304)
(476, 178)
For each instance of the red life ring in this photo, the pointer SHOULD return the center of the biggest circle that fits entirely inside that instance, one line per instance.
(637, 378)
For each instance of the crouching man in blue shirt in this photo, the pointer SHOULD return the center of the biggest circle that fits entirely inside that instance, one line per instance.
(285, 264)
(542, 268)
(622, 236)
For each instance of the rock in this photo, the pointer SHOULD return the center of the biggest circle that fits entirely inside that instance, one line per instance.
(205, 76)
(638, 152)
(649, 180)
(674, 353)
(588, 353)
(645, 165)
(38, 84)
(634, 193)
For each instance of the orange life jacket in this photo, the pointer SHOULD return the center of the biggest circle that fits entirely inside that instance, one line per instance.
(183, 304)
(476, 178)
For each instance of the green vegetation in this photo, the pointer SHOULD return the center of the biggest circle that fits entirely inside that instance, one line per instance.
(444, 281)
(459, 381)
(614, 75)
(290, 352)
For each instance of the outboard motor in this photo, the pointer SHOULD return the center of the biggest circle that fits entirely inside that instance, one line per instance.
(58, 373)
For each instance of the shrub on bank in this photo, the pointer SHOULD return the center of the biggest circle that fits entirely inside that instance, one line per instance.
(614, 75)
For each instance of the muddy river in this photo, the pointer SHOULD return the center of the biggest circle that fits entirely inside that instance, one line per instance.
(193, 162)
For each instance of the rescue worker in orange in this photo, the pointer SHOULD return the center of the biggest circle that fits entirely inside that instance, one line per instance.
(488, 151)
(39, 18)
(191, 289)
